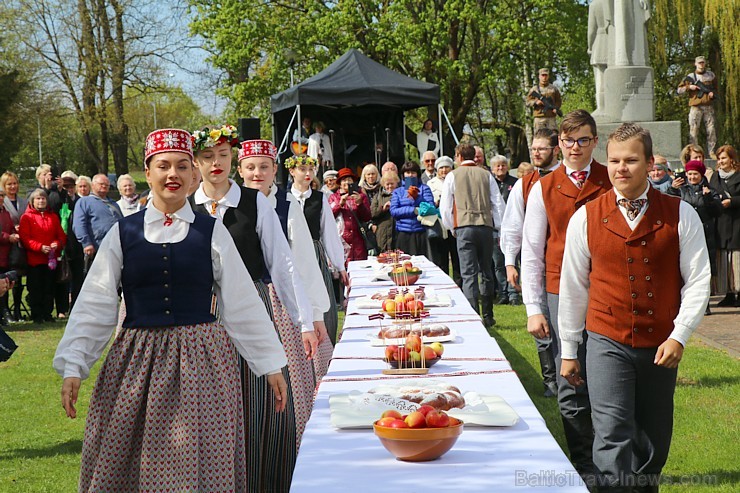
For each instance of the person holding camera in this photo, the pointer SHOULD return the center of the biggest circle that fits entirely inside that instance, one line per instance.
(693, 188)
(351, 204)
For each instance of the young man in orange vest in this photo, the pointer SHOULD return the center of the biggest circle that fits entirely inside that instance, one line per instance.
(551, 203)
(636, 276)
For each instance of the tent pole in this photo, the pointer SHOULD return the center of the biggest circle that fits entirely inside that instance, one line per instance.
(403, 134)
(299, 122)
(441, 134)
(284, 143)
(452, 130)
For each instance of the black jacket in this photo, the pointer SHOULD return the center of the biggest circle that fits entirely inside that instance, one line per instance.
(708, 206)
(728, 222)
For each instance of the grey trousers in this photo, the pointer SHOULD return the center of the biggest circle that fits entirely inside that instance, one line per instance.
(632, 411)
(575, 408)
(475, 249)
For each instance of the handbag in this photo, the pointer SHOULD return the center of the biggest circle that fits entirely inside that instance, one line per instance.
(371, 242)
(17, 257)
(63, 270)
(7, 346)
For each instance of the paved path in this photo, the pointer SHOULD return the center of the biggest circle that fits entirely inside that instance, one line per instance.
(721, 329)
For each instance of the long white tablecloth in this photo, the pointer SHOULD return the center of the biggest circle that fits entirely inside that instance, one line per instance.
(524, 457)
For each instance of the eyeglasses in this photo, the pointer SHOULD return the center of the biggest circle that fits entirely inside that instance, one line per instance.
(539, 149)
(582, 142)
(429, 160)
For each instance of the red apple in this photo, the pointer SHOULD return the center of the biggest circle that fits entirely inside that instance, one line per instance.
(416, 420)
(454, 421)
(437, 419)
(408, 297)
(428, 353)
(385, 421)
(408, 265)
(413, 343)
(398, 423)
(390, 351)
(425, 409)
(391, 413)
(389, 305)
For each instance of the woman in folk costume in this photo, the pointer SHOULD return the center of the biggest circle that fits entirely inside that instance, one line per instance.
(322, 226)
(272, 441)
(166, 411)
(258, 176)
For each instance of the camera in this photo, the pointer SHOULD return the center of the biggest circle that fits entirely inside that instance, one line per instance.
(11, 276)
(353, 188)
(682, 175)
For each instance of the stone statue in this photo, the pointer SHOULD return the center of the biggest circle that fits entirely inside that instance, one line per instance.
(600, 19)
(617, 43)
(630, 34)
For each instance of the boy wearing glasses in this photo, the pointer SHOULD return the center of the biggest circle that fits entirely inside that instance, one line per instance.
(551, 203)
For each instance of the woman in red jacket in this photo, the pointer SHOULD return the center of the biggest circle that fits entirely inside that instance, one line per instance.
(43, 238)
(351, 204)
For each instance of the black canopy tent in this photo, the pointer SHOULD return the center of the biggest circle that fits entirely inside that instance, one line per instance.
(362, 101)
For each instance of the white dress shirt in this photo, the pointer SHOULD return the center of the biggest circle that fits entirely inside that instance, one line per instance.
(275, 251)
(95, 314)
(447, 201)
(301, 244)
(512, 224)
(574, 283)
(534, 239)
(329, 234)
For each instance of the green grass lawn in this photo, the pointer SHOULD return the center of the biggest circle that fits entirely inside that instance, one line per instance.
(40, 447)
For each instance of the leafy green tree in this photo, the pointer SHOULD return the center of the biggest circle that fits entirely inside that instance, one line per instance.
(480, 52)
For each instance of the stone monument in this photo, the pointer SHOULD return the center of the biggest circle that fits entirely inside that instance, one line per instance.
(617, 43)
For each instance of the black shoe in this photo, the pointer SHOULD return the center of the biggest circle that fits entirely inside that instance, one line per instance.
(489, 322)
(707, 312)
(7, 316)
(729, 300)
(3, 322)
(515, 301)
(551, 389)
(48, 318)
(504, 300)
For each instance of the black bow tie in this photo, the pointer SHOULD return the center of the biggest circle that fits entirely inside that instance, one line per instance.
(544, 172)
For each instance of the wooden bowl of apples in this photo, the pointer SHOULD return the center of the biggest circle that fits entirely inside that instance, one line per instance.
(418, 437)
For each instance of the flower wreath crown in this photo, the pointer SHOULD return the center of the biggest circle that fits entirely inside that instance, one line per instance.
(295, 161)
(212, 136)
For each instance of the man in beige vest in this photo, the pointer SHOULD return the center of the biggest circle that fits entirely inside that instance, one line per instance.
(471, 208)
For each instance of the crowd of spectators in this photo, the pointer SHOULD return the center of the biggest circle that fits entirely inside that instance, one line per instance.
(65, 218)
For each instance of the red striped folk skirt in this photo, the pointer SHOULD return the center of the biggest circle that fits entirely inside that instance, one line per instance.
(166, 414)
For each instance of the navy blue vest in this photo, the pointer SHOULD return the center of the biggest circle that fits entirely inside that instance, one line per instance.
(168, 284)
(282, 206)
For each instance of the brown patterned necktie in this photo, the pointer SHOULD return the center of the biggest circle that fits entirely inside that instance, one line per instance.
(633, 207)
(214, 207)
(579, 177)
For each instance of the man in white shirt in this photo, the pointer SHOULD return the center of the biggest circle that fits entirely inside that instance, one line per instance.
(636, 276)
(545, 151)
(319, 147)
(551, 203)
(471, 208)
